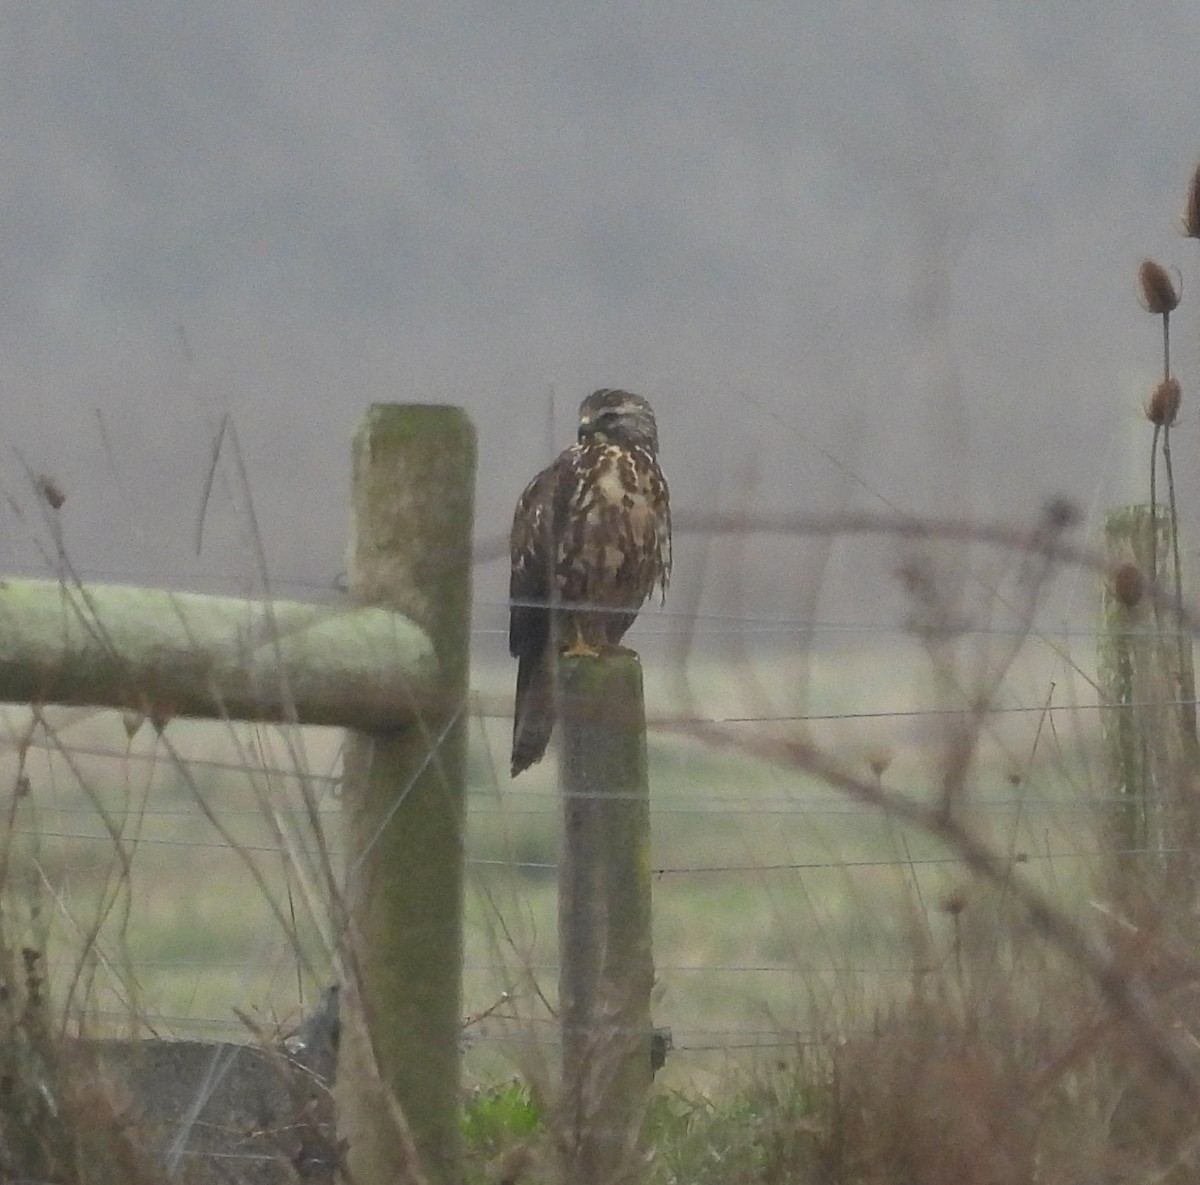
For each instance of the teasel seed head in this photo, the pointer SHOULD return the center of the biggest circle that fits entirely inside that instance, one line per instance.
(1191, 209)
(1128, 584)
(1162, 408)
(1159, 294)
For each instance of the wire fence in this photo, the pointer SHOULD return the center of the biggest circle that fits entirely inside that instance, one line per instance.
(772, 893)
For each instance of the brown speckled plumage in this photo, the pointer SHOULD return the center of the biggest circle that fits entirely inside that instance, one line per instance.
(591, 538)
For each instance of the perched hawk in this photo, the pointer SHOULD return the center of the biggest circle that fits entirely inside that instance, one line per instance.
(591, 537)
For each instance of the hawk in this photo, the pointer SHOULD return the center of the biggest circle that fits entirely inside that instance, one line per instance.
(591, 538)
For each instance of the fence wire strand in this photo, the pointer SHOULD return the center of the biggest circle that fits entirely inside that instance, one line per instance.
(513, 874)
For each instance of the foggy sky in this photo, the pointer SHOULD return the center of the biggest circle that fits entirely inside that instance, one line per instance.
(903, 235)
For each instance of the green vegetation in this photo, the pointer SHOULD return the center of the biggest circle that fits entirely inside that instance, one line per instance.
(500, 1124)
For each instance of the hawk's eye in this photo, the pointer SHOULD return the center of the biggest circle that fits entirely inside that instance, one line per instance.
(603, 425)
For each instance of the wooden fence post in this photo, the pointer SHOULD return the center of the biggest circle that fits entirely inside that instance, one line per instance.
(410, 549)
(1148, 686)
(605, 941)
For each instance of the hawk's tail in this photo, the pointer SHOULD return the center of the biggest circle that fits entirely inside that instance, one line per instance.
(533, 714)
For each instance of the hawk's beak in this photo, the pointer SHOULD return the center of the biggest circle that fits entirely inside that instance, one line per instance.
(587, 426)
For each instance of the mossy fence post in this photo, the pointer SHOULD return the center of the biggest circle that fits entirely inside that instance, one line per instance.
(1148, 689)
(605, 941)
(396, 680)
(410, 550)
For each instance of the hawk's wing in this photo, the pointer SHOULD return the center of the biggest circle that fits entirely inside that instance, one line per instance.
(532, 550)
(533, 545)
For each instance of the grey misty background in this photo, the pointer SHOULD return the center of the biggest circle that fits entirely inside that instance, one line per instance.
(902, 234)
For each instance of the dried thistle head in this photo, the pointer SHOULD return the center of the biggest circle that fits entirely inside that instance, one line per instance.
(1159, 294)
(1128, 584)
(1162, 407)
(1191, 209)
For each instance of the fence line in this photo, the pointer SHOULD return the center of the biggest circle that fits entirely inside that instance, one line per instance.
(738, 806)
(808, 717)
(714, 1039)
(840, 864)
(646, 625)
(673, 723)
(552, 968)
(684, 1040)
(411, 694)
(691, 1040)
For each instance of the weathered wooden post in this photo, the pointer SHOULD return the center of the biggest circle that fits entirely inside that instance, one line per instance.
(410, 549)
(605, 939)
(1147, 682)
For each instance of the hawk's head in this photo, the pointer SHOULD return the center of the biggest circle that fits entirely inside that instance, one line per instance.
(608, 416)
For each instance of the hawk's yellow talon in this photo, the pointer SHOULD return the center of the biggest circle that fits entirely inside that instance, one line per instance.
(578, 647)
(581, 649)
